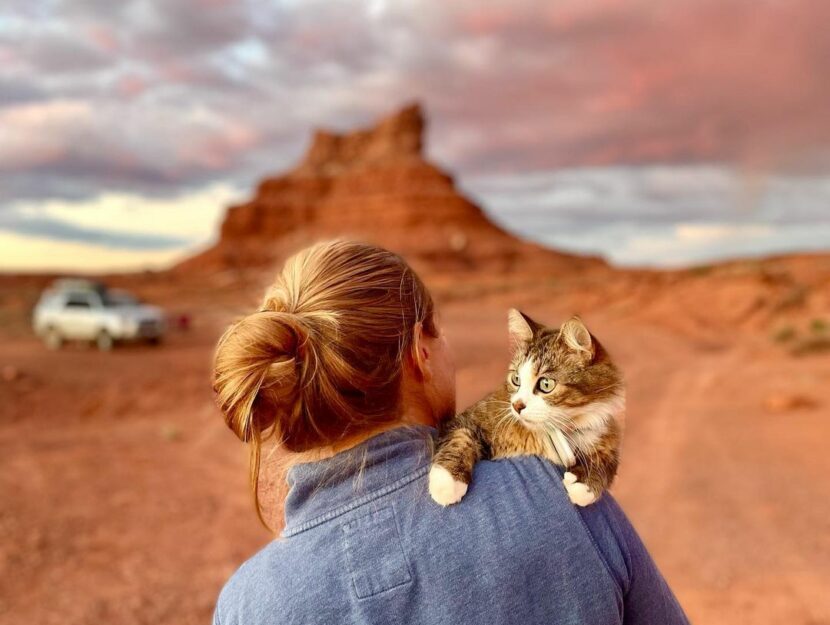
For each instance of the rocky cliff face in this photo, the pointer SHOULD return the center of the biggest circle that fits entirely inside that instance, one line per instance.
(373, 185)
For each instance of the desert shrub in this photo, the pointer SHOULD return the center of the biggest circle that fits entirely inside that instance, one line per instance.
(795, 297)
(784, 334)
(700, 270)
(816, 344)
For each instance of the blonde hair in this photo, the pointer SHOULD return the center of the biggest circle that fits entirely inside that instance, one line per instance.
(322, 358)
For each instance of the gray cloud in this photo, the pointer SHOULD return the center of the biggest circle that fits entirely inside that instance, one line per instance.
(662, 215)
(17, 91)
(49, 228)
(57, 54)
(157, 96)
(655, 194)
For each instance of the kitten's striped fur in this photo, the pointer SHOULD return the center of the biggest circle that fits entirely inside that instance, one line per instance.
(563, 399)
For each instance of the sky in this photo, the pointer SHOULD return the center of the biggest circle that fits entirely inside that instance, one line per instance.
(654, 133)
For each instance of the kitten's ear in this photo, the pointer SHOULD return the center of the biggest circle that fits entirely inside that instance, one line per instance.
(521, 328)
(577, 337)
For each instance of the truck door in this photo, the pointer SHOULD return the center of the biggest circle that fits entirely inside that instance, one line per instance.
(78, 318)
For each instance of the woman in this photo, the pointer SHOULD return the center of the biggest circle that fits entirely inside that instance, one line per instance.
(346, 366)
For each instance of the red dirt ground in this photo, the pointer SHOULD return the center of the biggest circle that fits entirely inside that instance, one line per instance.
(124, 497)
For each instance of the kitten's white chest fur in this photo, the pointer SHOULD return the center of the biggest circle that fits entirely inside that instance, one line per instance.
(557, 448)
(590, 422)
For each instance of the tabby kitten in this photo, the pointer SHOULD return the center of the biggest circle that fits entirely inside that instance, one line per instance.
(563, 399)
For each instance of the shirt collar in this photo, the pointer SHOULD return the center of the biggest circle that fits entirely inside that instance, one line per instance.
(325, 489)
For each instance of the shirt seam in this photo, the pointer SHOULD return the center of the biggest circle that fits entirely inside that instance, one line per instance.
(376, 494)
(620, 535)
(605, 565)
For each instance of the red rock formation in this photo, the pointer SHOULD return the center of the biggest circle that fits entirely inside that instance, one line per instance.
(374, 185)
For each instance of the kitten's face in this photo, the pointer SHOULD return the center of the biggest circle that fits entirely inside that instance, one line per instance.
(557, 375)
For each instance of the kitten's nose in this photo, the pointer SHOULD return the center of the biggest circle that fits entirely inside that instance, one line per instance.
(518, 406)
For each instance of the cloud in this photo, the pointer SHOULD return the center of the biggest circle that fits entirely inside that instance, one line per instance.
(186, 91)
(70, 141)
(656, 193)
(58, 51)
(54, 229)
(117, 230)
(193, 216)
(681, 246)
(14, 91)
(114, 219)
(715, 233)
(661, 215)
(36, 133)
(23, 253)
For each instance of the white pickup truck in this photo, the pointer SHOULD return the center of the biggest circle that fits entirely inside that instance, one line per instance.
(87, 311)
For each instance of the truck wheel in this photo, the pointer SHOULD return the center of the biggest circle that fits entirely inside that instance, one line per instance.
(52, 338)
(104, 341)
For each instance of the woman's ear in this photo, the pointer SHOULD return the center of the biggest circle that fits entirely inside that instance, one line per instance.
(420, 357)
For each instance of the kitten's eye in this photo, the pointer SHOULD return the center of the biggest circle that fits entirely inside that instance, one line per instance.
(514, 379)
(546, 384)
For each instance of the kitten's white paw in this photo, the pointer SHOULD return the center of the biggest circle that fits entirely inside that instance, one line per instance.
(578, 492)
(443, 487)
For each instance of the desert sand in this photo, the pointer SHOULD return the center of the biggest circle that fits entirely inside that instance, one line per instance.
(125, 497)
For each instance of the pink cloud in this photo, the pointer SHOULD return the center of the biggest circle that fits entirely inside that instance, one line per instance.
(103, 36)
(39, 133)
(599, 81)
(131, 85)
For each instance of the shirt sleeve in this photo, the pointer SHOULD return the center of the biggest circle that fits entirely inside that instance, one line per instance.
(647, 598)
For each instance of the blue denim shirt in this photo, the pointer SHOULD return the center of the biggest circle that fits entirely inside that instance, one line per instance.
(364, 543)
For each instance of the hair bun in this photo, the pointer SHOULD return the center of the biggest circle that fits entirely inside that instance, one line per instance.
(258, 371)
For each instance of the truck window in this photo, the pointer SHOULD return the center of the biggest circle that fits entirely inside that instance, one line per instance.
(77, 301)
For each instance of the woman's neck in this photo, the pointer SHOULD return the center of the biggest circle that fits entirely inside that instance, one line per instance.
(415, 413)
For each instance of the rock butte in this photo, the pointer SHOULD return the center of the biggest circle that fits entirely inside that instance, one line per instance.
(374, 185)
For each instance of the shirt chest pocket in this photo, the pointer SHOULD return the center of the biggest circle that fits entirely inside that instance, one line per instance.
(375, 554)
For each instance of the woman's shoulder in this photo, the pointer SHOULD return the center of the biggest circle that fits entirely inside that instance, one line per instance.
(527, 492)
(239, 584)
(528, 481)
(510, 502)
